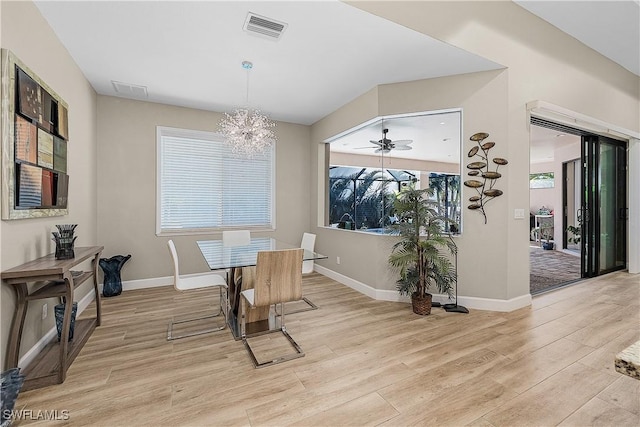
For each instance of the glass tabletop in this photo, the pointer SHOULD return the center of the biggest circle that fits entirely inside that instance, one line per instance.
(220, 257)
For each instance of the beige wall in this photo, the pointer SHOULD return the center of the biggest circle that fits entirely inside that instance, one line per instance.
(483, 98)
(127, 184)
(25, 32)
(542, 64)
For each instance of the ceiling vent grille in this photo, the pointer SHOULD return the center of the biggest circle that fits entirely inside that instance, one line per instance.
(264, 27)
(129, 90)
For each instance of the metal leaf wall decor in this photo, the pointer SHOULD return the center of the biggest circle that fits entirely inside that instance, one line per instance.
(484, 179)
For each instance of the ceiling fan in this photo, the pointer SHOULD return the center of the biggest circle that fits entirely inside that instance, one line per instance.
(385, 145)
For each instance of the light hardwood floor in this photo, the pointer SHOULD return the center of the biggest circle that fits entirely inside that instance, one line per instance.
(367, 363)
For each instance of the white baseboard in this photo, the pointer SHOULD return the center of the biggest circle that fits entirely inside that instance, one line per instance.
(155, 282)
(391, 295)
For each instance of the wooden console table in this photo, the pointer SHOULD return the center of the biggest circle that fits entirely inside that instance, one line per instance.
(52, 278)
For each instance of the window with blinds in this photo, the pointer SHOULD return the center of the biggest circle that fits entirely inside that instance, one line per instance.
(204, 187)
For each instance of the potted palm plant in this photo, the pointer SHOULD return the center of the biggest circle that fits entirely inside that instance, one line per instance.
(420, 256)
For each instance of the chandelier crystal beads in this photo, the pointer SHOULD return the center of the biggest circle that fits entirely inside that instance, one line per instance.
(247, 131)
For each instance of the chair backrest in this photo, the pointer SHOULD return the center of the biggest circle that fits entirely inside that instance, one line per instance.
(308, 243)
(278, 276)
(176, 269)
(236, 237)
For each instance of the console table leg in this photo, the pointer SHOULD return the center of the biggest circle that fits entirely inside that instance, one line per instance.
(66, 324)
(94, 265)
(15, 336)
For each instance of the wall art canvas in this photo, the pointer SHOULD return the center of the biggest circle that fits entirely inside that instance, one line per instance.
(59, 154)
(29, 96)
(45, 149)
(29, 186)
(63, 119)
(49, 109)
(26, 140)
(35, 137)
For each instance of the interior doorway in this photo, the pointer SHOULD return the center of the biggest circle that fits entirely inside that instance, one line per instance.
(581, 210)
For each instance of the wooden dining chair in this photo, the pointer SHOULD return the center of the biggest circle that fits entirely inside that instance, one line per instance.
(197, 281)
(278, 279)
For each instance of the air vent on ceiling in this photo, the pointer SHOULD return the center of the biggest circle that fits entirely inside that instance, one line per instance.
(129, 90)
(264, 27)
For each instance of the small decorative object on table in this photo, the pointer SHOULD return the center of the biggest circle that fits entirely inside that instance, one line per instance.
(11, 383)
(112, 280)
(64, 241)
(58, 311)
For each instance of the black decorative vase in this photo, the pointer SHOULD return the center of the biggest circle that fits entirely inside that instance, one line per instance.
(58, 310)
(12, 381)
(112, 281)
(64, 241)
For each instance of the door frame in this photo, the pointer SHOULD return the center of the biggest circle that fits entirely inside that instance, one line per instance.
(555, 113)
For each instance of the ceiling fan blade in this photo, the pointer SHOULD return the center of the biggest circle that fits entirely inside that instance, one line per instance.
(403, 142)
(363, 148)
(382, 150)
(402, 147)
(378, 143)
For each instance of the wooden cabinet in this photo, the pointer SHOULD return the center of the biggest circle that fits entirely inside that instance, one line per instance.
(50, 278)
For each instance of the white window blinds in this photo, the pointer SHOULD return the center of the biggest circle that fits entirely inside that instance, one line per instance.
(202, 186)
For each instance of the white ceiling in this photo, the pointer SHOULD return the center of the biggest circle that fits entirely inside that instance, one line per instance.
(544, 142)
(435, 137)
(611, 28)
(190, 53)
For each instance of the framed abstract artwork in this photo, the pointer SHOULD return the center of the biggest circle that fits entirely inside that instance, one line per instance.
(35, 137)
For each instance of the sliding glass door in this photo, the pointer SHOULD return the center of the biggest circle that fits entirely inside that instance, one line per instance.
(604, 209)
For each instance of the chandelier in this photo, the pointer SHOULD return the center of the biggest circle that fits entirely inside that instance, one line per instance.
(248, 132)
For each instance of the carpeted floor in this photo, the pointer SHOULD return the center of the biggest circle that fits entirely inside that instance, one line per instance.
(551, 268)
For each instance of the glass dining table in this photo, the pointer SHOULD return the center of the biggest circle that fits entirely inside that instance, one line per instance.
(230, 258)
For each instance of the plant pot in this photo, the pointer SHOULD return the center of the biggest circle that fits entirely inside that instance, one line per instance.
(421, 306)
(547, 246)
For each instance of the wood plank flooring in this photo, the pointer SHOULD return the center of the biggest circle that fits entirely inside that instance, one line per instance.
(367, 363)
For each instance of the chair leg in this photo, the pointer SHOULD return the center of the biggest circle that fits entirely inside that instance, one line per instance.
(223, 310)
(312, 306)
(298, 350)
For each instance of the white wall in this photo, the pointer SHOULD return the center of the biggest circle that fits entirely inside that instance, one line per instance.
(25, 32)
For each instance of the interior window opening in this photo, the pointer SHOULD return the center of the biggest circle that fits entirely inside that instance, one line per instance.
(371, 163)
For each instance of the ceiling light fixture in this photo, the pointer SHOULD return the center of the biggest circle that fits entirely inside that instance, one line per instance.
(247, 131)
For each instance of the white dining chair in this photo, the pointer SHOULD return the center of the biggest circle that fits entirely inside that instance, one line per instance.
(236, 237)
(308, 243)
(197, 281)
